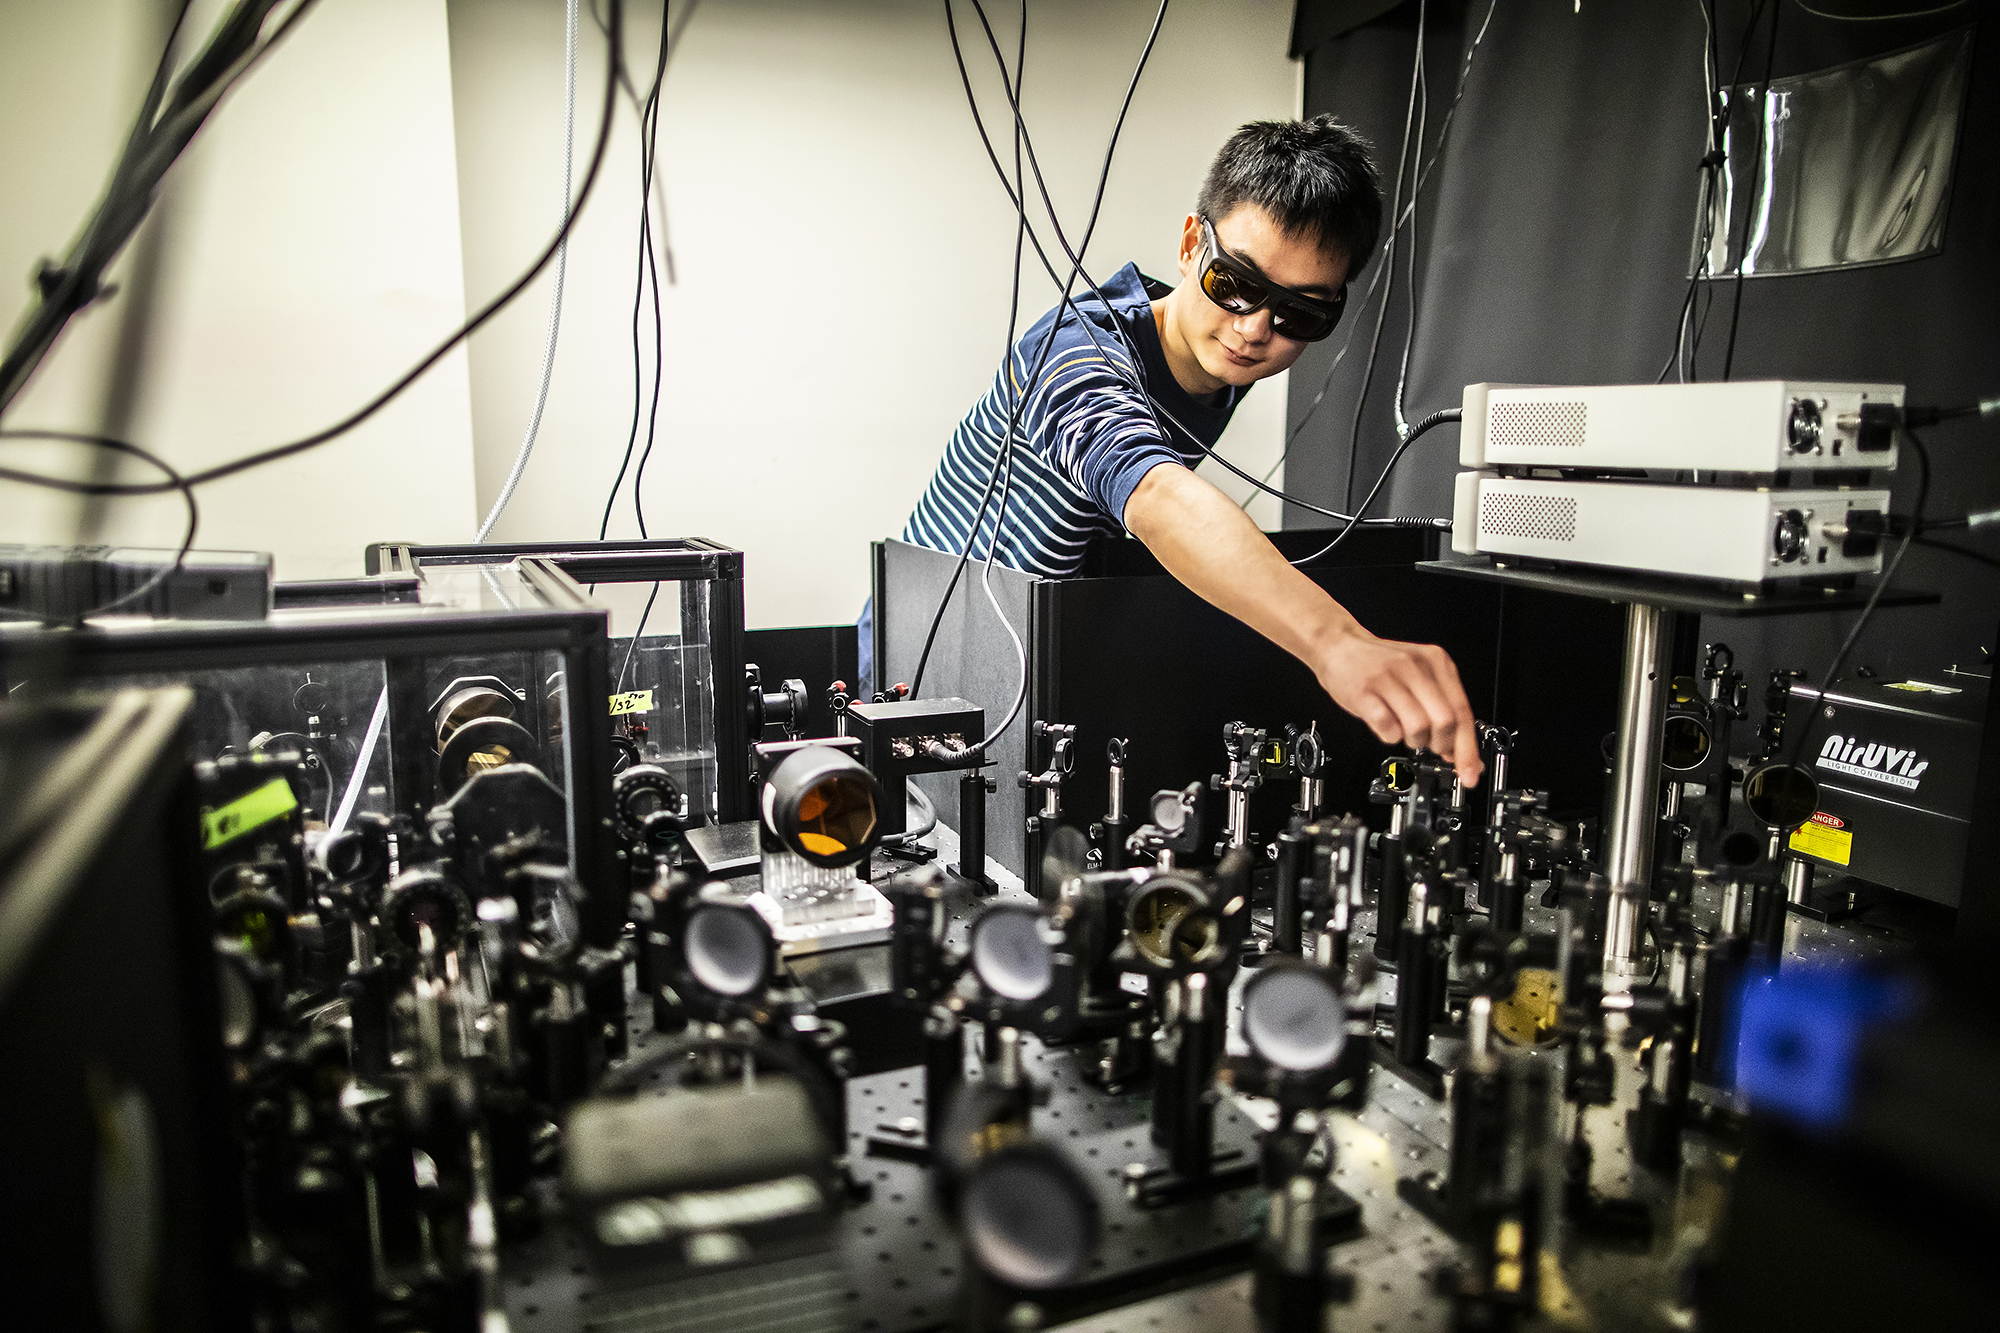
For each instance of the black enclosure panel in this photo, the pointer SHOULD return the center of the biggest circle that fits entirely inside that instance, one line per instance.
(119, 1201)
(1135, 654)
(816, 654)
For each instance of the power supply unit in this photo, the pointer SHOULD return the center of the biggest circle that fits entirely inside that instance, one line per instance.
(1732, 534)
(1761, 427)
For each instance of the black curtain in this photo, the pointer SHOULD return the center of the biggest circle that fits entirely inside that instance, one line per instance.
(1553, 245)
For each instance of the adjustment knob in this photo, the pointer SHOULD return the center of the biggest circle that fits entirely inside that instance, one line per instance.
(1804, 427)
(1788, 539)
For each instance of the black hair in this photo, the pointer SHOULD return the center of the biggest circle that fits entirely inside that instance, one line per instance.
(1315, 177)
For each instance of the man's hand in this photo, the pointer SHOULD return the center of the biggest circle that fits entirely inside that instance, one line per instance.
(1405, 692)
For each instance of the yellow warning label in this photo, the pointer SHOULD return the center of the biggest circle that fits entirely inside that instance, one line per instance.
(1823, 841)
(252, 810)
(1921, 687)
(637, 701)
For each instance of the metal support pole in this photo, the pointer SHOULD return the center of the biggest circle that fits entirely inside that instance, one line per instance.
(1635, 789)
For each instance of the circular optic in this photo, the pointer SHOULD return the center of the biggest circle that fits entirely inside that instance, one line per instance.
(823, 805)
(1684, 743)
(1169, 813)
(640, 793)
(1398, 774)
(345, 854)
(1009, 954)
(1781, 796)
(482, 744)
(1171, 925)
(424, 897)
(1294, 1018)
(473, 702)
(1742, 849)
(728, 949)
(1028, 1220)
(1065, 853)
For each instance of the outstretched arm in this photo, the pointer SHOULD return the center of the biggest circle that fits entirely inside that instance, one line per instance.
(1406, 692)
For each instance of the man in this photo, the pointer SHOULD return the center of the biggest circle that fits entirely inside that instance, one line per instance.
(1286, 218)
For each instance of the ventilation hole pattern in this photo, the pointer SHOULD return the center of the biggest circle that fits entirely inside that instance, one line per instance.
(1534, 425)
(1549, 518)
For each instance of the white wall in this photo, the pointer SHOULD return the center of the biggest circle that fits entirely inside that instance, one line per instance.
(842, 245)
(311, 253)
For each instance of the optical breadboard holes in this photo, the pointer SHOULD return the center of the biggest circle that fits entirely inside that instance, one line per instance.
(1549, 518)
(1534, 425)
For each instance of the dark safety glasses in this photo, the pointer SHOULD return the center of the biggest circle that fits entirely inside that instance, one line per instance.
(1241, 290)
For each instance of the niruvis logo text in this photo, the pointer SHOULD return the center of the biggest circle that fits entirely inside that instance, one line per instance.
(1872, 760)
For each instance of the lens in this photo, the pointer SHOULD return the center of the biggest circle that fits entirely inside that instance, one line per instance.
(480, 745)
(1009, 955)
(1294, 1018)
(1171, 925)
(1398, 774)
(728, 949)
(1684, 743)
(493, 756)
(469, 703)
(1231, 290)
(1742, 849)
(1301, 323)
(1781, 796)
(1028, 1220)
(836, 815)
(1169, 814)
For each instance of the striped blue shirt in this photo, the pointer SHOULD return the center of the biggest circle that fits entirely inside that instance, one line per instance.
(1084, 441)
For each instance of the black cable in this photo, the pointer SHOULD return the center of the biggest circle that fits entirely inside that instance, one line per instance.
(648, 111)
(1757, 175)
(1389, 264)
(156, 141)
(1018, 197)
(1868, 608)
(416, 372)
(637, 634)
(1724, 112)
(99, 488)
(1936, 545)
(1015, 393)
(1434, 419)
(652, 157)
(1395, 222)
(1710, 167)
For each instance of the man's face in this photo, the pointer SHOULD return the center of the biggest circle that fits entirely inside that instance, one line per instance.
(1241, 349)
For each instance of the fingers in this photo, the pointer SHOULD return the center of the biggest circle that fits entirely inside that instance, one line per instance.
(1379, 718)
(1411, 694)
(1431, 706)
(1462, 735)
(1402, 691)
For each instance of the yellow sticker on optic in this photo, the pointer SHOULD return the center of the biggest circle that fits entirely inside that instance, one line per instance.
(1823, 842)
(250, 811)
(637, 701)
